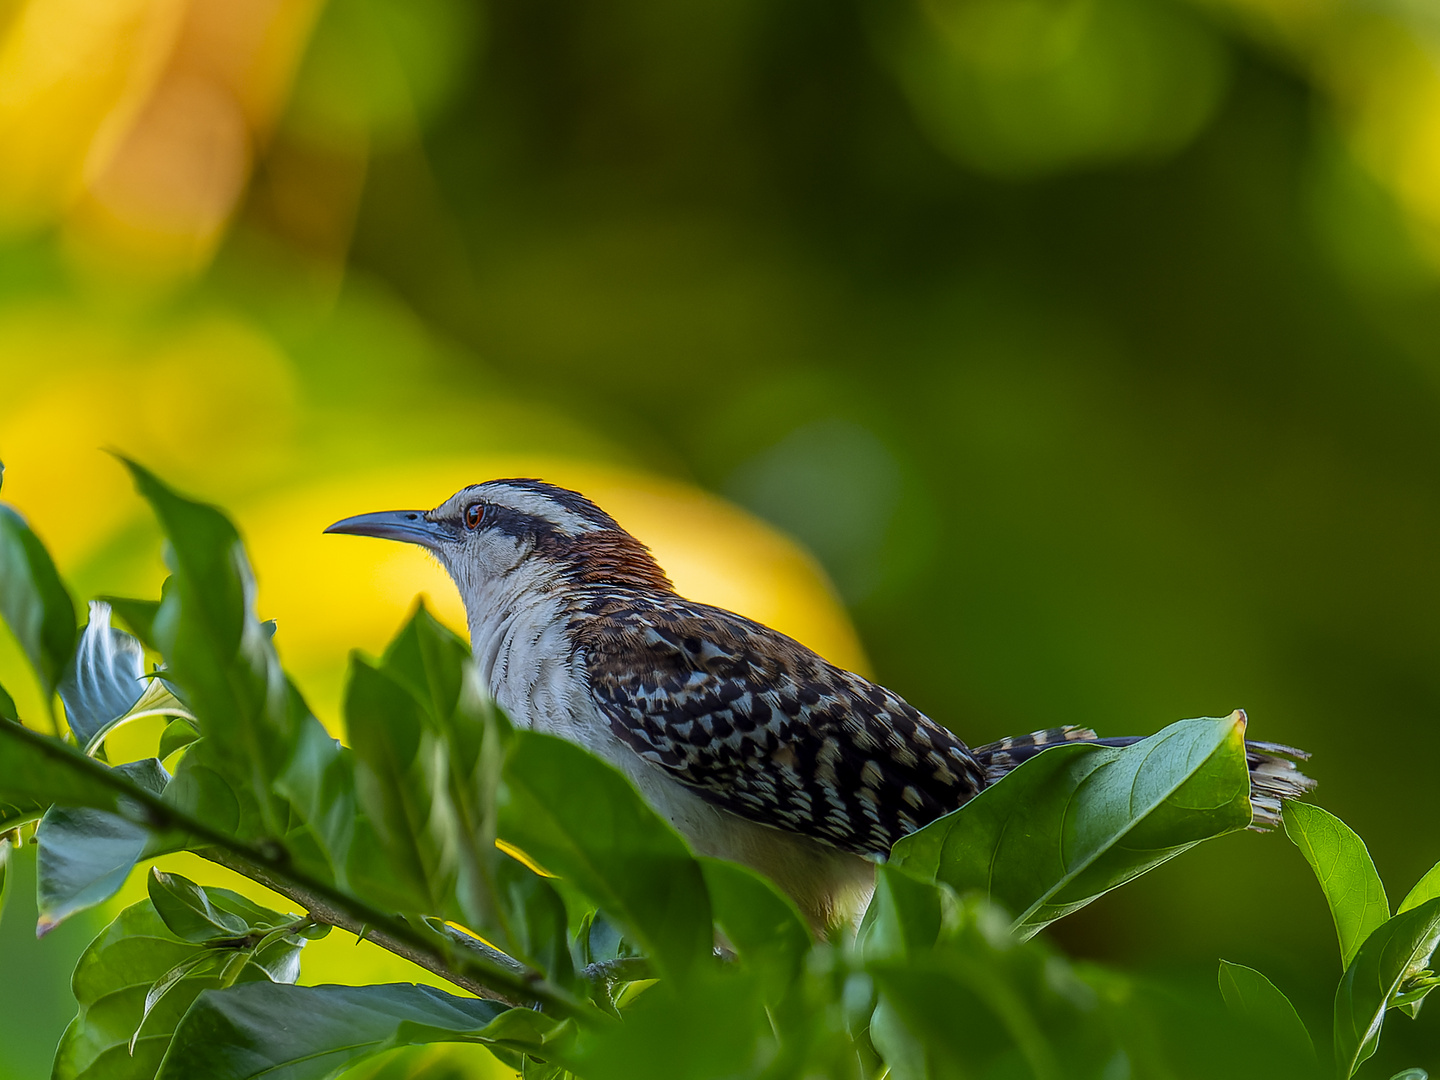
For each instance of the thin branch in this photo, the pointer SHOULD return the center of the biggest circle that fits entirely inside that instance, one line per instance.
(269, 864)
(322, 911)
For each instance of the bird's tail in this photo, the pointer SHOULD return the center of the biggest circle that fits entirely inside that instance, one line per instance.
(1274, 774)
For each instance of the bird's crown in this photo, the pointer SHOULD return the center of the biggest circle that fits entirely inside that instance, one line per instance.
(564, 526)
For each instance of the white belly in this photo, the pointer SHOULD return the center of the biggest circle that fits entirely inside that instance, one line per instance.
(529, 669)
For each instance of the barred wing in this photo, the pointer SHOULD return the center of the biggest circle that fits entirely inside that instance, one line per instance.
(758, 724)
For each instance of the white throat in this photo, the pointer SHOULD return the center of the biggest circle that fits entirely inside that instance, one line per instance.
(521, 648)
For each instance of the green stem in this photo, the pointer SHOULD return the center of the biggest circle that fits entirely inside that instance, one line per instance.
(269, 865)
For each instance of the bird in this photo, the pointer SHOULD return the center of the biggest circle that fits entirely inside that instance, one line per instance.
(751, 745)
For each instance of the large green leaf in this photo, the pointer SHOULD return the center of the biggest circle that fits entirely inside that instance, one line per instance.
(718, 1027)
(761, 924)
(1078, 820)
(117, 973)
(104, 677)
(434, 665)
(583, 820)
(428, 660)
(319, 782)
(1345, 870)
(979, 1003)
(401, 780)
(33, 601)
(85, 855)
(219, 656)
(252, 1031)
(211, 573)
(904, 917)
(536, 925)
(1253, 998)
(1390, 970)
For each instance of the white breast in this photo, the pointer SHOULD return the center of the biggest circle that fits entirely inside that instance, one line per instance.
(525, 660)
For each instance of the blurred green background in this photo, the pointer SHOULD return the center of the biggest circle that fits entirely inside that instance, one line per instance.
(1092, 347)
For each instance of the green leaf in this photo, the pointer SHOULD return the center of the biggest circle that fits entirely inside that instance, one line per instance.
(1253, 998)
(319, 783)
(581, 819)
(178, 734)
(251, 1031)
(40, 768)
(1392, 955)
(1079, 820)
(201, 792)
(400, 778)
(218, 655)
(139, 615)
(434, 665)
(428, 660)
(1427, 888)
(85, 855)
(21, 812)
(112, 981)
(211, 575)
(762, 925)
(7, 706)
(187, 912)
(104, 677)
(904, 917)
(536, 925)
(719, 1027)
(33, 601)
(980, 1003)
(1346, 873)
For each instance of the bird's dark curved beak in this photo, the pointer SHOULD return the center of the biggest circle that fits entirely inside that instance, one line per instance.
(411, 526)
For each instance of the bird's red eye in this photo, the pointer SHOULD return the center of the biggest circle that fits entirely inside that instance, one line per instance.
(474, 515)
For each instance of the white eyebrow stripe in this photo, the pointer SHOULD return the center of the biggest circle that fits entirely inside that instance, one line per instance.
(538, 506)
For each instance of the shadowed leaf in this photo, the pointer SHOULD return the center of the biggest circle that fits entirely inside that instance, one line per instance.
(582, 819)
(33, 601)
(85, 855)
(1253, 998)
(762, 925)
(400, 778)
(249, 1031)
(1394, 956)
(138, 615)
(187, 912)
(112, 981)
(37, 768)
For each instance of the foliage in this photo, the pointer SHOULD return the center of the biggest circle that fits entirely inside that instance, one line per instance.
(427, 832)
(1385, 959)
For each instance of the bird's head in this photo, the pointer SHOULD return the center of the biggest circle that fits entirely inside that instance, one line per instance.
(526, 533)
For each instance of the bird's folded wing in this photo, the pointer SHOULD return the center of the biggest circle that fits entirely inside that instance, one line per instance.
(758, 724)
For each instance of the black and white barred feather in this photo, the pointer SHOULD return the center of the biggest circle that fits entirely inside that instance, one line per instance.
(758, 724)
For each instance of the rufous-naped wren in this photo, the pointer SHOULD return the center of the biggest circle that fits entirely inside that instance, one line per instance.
(751, 745)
